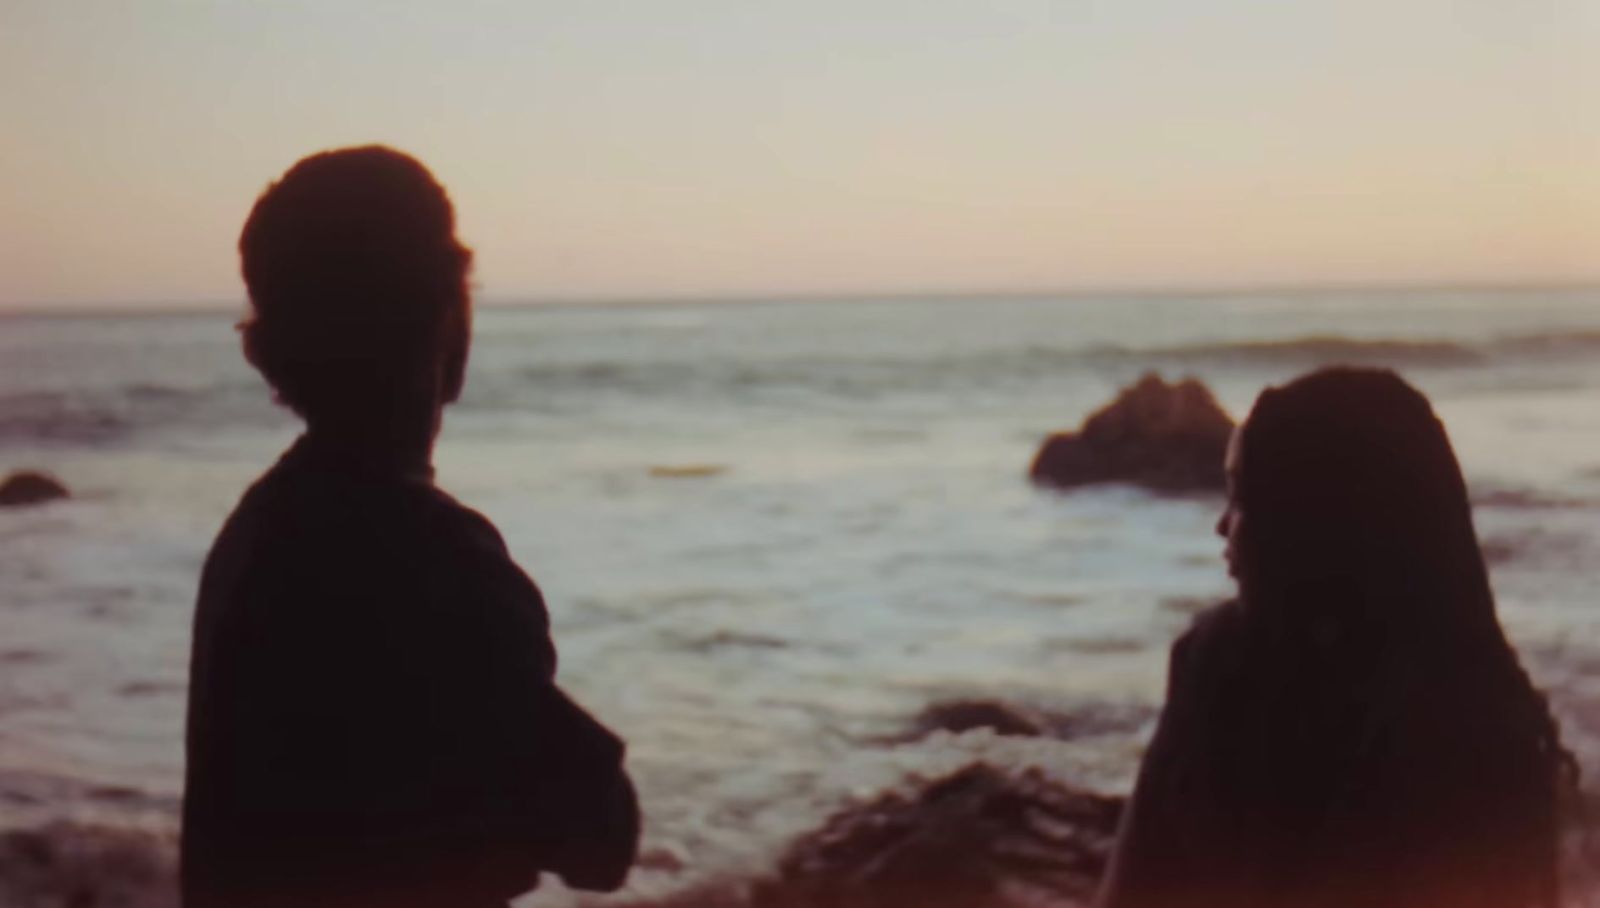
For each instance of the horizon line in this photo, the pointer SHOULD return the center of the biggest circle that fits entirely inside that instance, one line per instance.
(217, 305)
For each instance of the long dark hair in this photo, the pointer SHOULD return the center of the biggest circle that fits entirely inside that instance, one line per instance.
(1361, 575)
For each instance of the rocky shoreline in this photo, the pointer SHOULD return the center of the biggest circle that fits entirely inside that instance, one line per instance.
(1007, 818)
(983, 835)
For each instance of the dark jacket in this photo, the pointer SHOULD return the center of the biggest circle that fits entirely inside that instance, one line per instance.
(373, 715)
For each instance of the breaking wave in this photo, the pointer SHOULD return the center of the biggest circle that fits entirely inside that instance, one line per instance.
(530, 383)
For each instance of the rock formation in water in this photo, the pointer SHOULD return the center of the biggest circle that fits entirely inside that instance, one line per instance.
(1016, 720)
(26, 487)
(687, 471)
(957, 716)
(978, 838)
(1165, 437)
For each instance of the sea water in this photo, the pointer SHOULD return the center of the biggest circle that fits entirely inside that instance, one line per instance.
(770, 533)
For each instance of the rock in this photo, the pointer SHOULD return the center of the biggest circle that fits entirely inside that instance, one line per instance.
(70, 864)
(687, 471)
(1085, 719)
(666, 857)
(1165, 437)
(957, 716)
(26, 487)
(978, 838)
(720, 893)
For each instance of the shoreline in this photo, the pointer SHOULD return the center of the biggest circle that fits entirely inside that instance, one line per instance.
(117, 847)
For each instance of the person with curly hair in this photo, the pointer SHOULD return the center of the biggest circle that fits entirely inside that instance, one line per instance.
(373, 713)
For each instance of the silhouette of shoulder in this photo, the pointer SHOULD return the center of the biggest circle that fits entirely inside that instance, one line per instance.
(1213, 641)
(372, 667)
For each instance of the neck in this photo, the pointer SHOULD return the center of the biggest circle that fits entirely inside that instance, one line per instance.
(387, 442)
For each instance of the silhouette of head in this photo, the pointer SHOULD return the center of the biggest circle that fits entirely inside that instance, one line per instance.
(1344, 486)
(1350, 529)
(360, 310)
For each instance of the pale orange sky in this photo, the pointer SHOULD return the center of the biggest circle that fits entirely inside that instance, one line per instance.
(641, 149)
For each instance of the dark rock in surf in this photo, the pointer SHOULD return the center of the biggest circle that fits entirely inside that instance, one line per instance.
(1085, 719)
(957, 716)
(1166, 437)
(978, 838)
(26, 487)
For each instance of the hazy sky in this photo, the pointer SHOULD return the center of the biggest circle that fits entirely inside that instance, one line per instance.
(597, 148)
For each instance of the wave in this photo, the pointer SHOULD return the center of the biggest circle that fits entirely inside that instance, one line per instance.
(1553, 344)
(1526, 499)
(58, 417)
(98, 416)
(101, 416)
(1314, 349)
(865, 376)
(1328, 349)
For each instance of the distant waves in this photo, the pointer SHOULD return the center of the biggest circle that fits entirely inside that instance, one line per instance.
(855, 377)
(98, 416)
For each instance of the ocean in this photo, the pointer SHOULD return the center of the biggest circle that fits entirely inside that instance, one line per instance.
(770, 533)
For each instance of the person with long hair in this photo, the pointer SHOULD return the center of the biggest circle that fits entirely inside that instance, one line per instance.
(1354, 728)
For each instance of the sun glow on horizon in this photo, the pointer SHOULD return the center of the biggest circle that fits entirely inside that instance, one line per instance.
(716, 148)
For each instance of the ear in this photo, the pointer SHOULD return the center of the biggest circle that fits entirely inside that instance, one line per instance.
(248, 342)
(457, 343)
(250, 345)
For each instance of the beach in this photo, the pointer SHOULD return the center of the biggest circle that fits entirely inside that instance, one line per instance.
(770, 535)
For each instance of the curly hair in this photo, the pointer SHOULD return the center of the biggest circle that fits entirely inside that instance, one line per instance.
(357, 284)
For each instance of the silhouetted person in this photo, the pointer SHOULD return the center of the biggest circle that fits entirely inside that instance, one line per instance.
(373, 716)
(1354, 729)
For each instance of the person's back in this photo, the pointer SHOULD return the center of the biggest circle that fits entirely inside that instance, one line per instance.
(1281, 782)
(373, 715)
(1354, 729)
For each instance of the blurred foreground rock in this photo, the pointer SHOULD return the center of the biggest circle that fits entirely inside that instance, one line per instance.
(76, 865)
(978, 838)
(1165, 437)
(26, 487)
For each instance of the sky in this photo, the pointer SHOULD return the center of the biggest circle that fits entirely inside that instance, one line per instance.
(600, 149)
